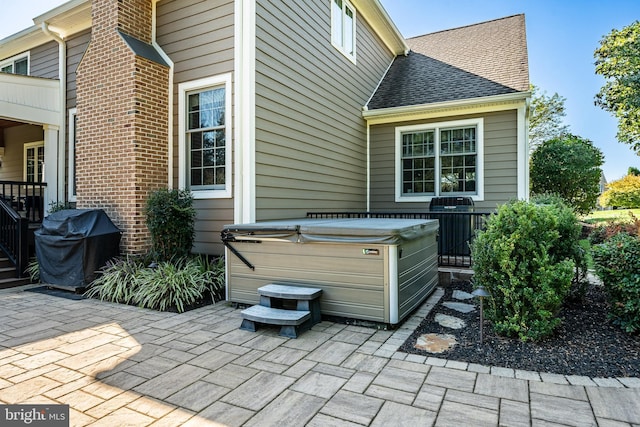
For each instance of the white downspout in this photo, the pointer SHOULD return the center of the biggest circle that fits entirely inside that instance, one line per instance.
(368, 167)
(168, 60)
(62, 135)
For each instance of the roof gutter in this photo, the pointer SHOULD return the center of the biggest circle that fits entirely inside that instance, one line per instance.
(62, 74)
(410, 112)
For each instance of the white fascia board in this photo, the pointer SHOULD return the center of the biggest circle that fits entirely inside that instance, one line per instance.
(68, 18)
(22, 41)
(448, 108)
(70, 7)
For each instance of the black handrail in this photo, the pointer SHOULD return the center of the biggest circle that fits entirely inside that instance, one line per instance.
(457, 230)
(13, 237)
(25, 196)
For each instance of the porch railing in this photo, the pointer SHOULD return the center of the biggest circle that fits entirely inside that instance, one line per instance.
(14, 240)
(457, 230)
(26, 197)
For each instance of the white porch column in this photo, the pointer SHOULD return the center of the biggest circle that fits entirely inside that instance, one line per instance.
(52, 175)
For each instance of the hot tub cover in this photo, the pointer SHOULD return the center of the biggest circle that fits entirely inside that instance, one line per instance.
(343, 230)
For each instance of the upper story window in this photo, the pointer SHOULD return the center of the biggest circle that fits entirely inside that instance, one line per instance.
(16, 65)
(440, 159)
(343, 28)
(205, 137)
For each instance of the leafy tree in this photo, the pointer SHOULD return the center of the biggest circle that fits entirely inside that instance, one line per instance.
(622, 193)
(618, 61)
(545, 119)
(633, 171)
(570, 168)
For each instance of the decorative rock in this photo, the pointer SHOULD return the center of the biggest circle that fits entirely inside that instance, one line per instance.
(461, 295)
(450, 321)
(435, 343)
(460, 306)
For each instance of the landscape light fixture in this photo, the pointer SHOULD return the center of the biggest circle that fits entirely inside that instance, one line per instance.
(481, 293)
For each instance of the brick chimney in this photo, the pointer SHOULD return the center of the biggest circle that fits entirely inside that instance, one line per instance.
(122, 113)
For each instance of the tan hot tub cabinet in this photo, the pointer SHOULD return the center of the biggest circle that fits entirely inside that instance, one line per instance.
(373, 269)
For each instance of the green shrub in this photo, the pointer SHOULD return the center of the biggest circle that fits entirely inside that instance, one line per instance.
(170, 219)
(605, 231)
(567, 246)
(617, 263)
(161, 286)
(59, 206)
(516, 261)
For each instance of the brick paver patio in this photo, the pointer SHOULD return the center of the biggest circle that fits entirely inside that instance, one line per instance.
(118, 365)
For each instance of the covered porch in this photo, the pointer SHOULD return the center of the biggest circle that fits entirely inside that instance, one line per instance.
(31, 159)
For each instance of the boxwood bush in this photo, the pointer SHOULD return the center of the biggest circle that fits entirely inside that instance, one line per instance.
(617, 263)
(517, 259)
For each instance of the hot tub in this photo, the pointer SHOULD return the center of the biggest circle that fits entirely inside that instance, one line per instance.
(373, 269)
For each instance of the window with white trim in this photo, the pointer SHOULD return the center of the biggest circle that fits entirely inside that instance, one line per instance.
(205, 132)
(71, 179)
(343, 27)
(16, 65)
(34, 162)
(439, 160)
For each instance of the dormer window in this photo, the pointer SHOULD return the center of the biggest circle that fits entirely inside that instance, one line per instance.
(343, 28)
(16, 65)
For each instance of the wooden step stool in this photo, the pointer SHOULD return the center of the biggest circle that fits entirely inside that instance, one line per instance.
(273, 297)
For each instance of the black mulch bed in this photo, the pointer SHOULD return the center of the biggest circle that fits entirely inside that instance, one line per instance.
(586, 343)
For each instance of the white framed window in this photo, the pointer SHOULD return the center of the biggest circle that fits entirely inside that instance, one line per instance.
(204, 141)
(440, 160)
(71, 172)
(16, 65)
(343, 28)
(33, 168)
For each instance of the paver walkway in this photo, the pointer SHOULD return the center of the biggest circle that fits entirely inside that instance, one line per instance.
(117, 365)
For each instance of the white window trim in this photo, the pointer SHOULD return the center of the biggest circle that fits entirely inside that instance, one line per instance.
(27, 146)
(183, 89)
(478, 123)
(340, 48)
(15, 58)
(72, 154)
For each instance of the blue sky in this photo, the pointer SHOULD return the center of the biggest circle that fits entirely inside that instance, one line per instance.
(561, 34)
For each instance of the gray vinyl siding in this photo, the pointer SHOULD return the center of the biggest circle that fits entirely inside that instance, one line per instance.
(76, 47)
(500, 162)
(44, 60)
(310, 134)
(198, 36)
(14, 139)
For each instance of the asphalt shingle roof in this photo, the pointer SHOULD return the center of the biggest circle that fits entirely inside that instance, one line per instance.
(484, 59)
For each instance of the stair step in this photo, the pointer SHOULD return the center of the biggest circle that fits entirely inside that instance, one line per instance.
(14, 282)
(275, 316)
(291, 321)
(275, 290)
(8, 273)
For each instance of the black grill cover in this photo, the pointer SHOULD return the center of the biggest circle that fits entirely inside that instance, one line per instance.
(72, 244)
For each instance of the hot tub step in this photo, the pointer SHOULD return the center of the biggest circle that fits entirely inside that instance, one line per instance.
(305, 298)
(275, 290)
(290, 320)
